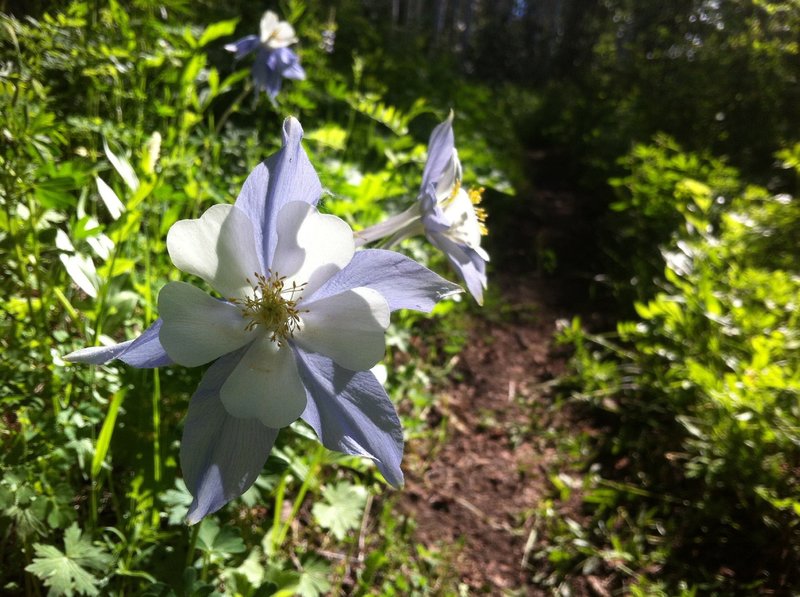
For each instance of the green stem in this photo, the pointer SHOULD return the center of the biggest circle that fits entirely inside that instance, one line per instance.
(156, 433)
(36, 264)
(232, 108)
(298, 501)
(20, 261)
(276, 515)
(93, 503)
(102, 296)
(192, 544)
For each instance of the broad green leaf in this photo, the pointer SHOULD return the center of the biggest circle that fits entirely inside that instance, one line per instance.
(53, 193)
(314, 577)
(218, 543)
(217, 30)
(342, 508)
(68, 572)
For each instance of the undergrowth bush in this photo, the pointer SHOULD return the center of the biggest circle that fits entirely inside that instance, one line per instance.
(694, 484)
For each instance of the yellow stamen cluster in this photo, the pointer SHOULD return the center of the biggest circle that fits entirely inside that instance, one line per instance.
(453, 194)
(476, 196)
(272, 306)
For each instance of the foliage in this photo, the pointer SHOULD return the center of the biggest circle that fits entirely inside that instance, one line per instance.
(66, 573)
(699, 397)
(664, 190)
(118, 119)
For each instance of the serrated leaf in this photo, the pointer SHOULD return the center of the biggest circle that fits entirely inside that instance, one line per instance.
(285, 581)
(176, 502)
(67, 573)
(218, 543)
(314, 577)
(342, 509)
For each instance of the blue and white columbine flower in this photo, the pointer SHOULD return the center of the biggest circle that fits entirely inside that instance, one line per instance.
(300, 322)
(445, 212)
(274, 60)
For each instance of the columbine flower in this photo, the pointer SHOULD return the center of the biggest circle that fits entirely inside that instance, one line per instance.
(301, 321)
(274, 60)
(445, 212)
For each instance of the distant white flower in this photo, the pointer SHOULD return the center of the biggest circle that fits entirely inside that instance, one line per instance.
(274, 61)
(447, 214)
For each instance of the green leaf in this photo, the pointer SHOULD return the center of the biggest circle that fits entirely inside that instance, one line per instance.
(104, 439)
(217, 30)
(176, 502)
(314, 577)
(342, 509)
(218, 543)
(331, 135)
(68, 573)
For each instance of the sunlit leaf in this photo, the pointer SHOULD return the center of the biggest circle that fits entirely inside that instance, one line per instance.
(218, 543)
(68, 572)
(314, 577)
(341, 509)
(122, 166)
(217, 30)
(109, 197)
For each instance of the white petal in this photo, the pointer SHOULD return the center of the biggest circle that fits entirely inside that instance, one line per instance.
(219, 247)
(311, 246)
(348, 327)
(282, 36)
(265, 385)
(198, 328)
(82, 271)
(269, 21)
(465, 228)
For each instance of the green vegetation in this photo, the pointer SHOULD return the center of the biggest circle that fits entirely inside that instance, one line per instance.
(693, 485)
(676, 124)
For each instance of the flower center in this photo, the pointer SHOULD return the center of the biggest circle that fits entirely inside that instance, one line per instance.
(272, 305)
(475, 197)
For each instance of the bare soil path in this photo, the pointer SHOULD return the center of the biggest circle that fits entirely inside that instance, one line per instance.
(479, 488)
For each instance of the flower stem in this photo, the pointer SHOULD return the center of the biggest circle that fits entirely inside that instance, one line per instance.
(407, 223)
(298, 501)
(192, 544)
(232, 108)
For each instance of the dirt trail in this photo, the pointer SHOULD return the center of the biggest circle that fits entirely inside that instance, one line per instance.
(480, 489)
(482, 485)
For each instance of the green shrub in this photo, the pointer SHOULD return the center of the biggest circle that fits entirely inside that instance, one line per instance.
(699, 398)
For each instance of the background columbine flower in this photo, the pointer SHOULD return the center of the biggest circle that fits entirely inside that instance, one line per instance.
(445, 212)
(274, 61)
(302, 322)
